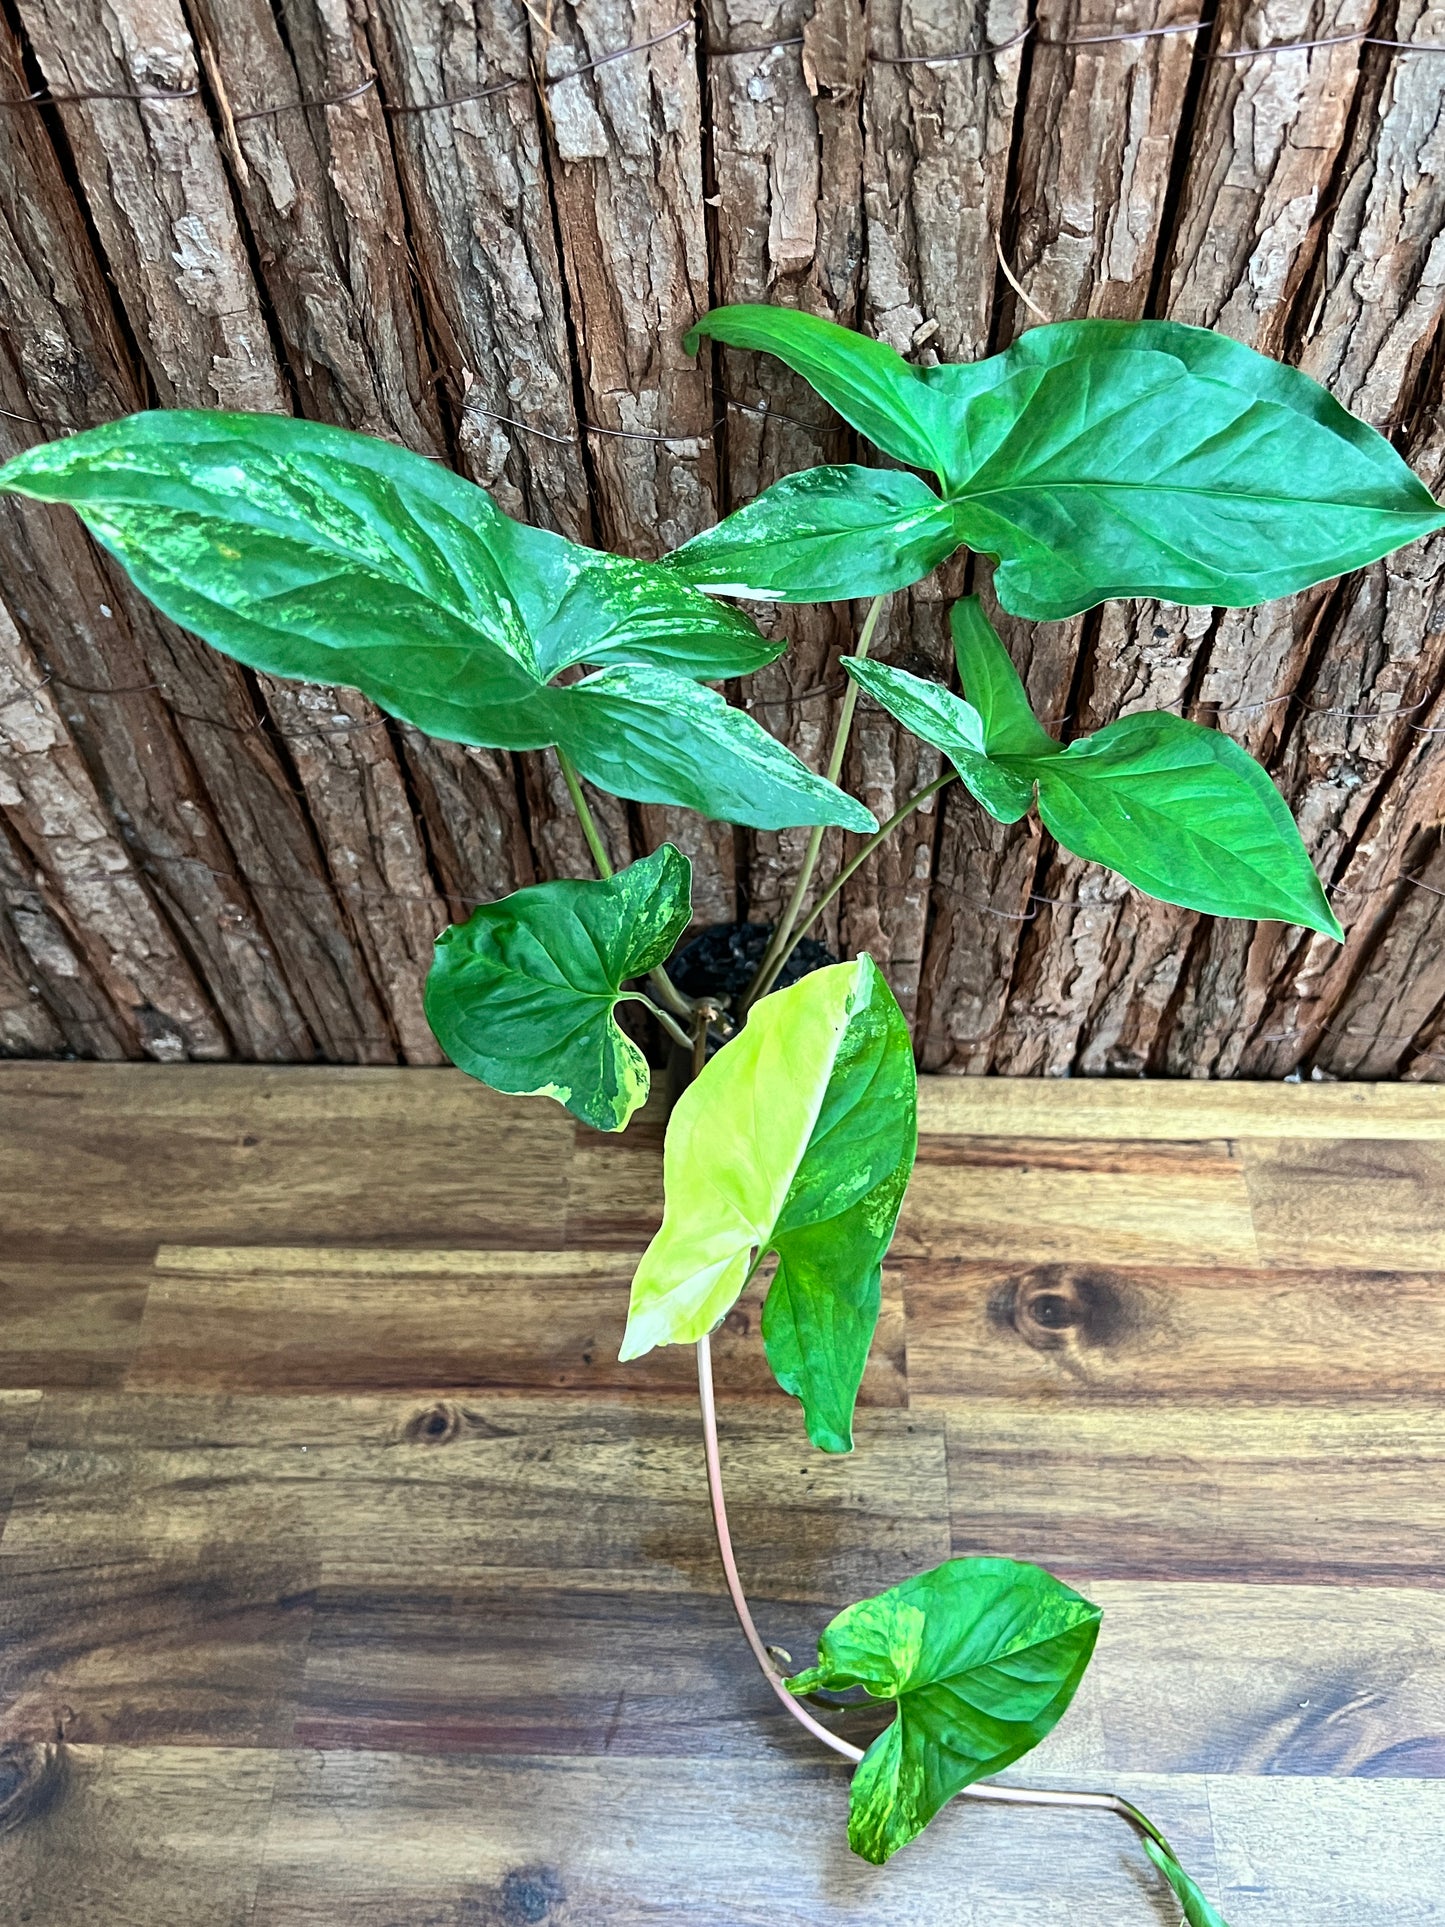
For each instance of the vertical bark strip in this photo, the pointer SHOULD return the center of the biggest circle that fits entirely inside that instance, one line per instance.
(787, 162)
(1088, 198)
(56, 815)
(935, 171)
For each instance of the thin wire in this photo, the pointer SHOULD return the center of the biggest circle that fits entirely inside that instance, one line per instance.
(295, 106)
(942, 60)
(44, 97)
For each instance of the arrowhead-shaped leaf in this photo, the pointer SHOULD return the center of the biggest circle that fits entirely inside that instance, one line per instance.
(312, 552)
(986, 671)
(1181, 811)
(869, 383)
(1110, 458)
(1197, 1910)
(521, 996)
(982, 1656)
(798, 1138)
(1187, 815)
(824, 535)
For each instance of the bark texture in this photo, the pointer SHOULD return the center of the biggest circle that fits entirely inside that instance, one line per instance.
(466, 226)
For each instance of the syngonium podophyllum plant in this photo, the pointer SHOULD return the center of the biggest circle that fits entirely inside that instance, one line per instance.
(1090, 460)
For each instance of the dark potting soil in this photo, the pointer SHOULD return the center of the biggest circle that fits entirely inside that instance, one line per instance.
(720, 961)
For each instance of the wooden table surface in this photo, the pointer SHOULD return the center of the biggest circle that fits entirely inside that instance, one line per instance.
(346, 1577)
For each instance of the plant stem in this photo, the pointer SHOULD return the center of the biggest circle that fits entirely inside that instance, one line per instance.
(666, 989)
(903, 811)
(668, 1022)
(780, 945)
(584, 815)
(1019, 1796)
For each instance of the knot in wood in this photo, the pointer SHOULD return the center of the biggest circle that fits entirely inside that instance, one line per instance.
(32, 1775)
(436, 1424)
(1054, 1307)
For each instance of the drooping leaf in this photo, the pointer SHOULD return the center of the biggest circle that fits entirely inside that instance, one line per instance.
(797, 1138)
(952, 725)
(1181, 811)
(309, 551)
(869, 383)
(649, 734)
(522, 995)
(982, 1656)
(825, 534)
(1108, 458)
(1197, 1910)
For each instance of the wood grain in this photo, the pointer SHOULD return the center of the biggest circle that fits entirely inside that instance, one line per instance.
(1316, 1492)
(562, 1839)
(300, 1319)
(132, 1835)
(1081, 1329)
(1117, 1202)
(272, 1155)
(1349, 1204)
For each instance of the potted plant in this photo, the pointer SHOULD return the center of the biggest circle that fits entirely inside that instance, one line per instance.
(1090, 460)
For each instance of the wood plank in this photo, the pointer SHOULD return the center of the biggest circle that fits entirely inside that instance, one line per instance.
(1124, 1203)
(1246, 1680)
(265, 1154)
(132, 1836)
(69, 1324)
(18, 1412)
(380, 1838)
(298, 1318)
(1143, 1108)
(1349, 1204)
(1298, 1853)
(526, 1490)
(1186, 1679)
(1340, 1493)
(469, 1668)
(1082, 1329)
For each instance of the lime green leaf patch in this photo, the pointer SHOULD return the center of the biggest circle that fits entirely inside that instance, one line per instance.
(308, 551)
(521, 996)
(798, 1138)
(982, 1656)
(1181, 811)
(1197, 1910)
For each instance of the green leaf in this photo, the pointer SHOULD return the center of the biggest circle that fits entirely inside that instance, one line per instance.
(986, 671)
(826, 534)
(952, 725)
(1185, 814)
(797, 1138)
(1111, 458)
(1181, 811)
(1197, 1910)
(521, 996)
(582, 605)
(309, 551)
(660, 738)
(869, 383)
(983, 1657)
